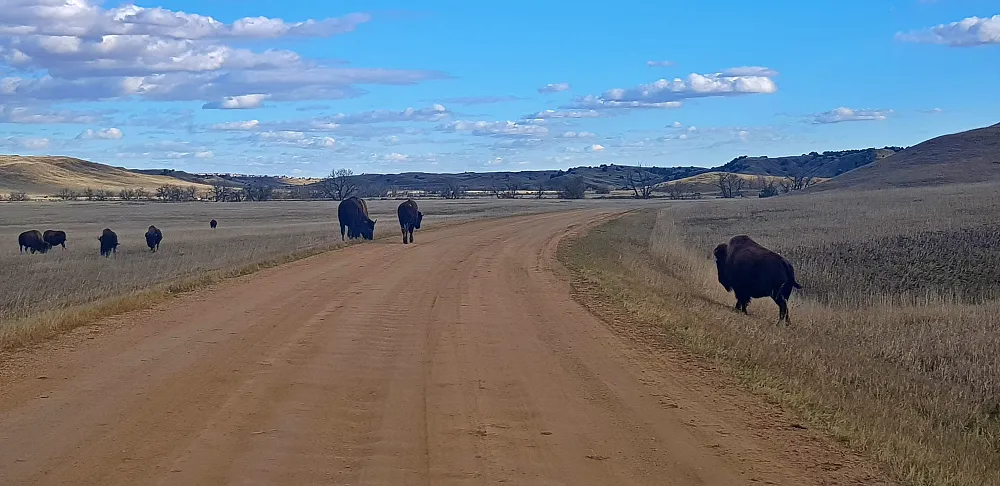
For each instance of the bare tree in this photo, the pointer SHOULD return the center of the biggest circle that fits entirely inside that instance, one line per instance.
(575, 188)
(676, 190)
(341, 184)
(453, 190)
(65, 194)
(18, 196)
(88, 194)
(257, 191)
(504, 190)
(641, 182)
(102, 195)
(539, 190)
(796, 182)
(730, 185)
(767, 187)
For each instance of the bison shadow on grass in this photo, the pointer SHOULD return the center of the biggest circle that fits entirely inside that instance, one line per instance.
(752, 271)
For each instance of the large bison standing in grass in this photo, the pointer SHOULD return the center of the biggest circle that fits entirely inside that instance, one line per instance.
(353, 215)
(32, 241)
(752, 271)
(55, 238)
(153, 238)
(109, 243)
(409, 218)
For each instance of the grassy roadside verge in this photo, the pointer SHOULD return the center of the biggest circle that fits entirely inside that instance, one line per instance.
(637, 270)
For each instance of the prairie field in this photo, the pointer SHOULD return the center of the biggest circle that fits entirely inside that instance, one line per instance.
(894, 342)
(43, 293)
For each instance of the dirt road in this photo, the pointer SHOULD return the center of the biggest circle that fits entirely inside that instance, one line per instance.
(461, 359)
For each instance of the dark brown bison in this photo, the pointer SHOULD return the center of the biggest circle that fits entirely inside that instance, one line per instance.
(55, 238)
(752, 271)
(109, 243)
(213, 223)
(409, 218)
(153, 237)
(32, 241)
(354, 221)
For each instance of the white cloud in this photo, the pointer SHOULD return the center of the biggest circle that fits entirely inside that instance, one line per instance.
(659, 63)
(553, 88)
(236, 125)
(499, 128)
(546, 114)
(103, 134)
(676, 124)
(972, 31)
(578, 135)
(595, 148)
(396, 157)
(243, 102)
(22, 114)
(750, 71)
(31, 143)
(286, 135)
(77, 50)
(207, 154)
(296, 139)
(432, 113)
(842, 114)
(669, 94)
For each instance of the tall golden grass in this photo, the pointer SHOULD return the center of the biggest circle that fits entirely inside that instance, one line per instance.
(894, 346)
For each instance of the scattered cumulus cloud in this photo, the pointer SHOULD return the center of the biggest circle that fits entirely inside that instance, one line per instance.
(236, 125)
(972, 31)
(103, 134)
(595, 148)
(243, 102)
(572, 134)
(28, 143)
(34, 115)
(481, 100)
(842, 114)
(659, 63)
(432, 113)
(498, 128)
(553, 88)
(548, 114)
(669, 94)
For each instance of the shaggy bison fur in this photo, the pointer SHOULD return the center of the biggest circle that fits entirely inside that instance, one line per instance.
(55, 238)
(752, 271)
(153, 237)
(409, 218)
(354, 221)
(109, 243)
(32, 241)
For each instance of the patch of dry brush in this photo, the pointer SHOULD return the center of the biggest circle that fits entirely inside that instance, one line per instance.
(895, 342)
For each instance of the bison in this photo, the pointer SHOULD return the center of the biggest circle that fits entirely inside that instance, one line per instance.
(32, 241)
(409, 218)
(55, 238)
(752, 271)
(353, 215)
(109, 243)
(213, 223)
(153, 237)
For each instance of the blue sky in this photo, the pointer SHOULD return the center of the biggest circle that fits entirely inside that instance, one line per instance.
(300, 88)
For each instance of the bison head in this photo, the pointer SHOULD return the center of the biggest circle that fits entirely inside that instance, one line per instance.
(720, 264)
(420, 217)
(368, 229)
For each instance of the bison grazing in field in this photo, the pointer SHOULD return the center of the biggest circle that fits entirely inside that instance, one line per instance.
(353, 215)
(109, 243)
(213, 223)
(752, 271)
(409, 218)
(55, 238)
(32, 241)
(153, 237)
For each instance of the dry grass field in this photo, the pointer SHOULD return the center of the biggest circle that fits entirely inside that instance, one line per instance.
(46, 176)
(41, 294)
(894, 346)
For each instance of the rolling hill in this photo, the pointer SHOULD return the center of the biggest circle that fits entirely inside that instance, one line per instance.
(45, 176)
(819, 165)
(964, 157)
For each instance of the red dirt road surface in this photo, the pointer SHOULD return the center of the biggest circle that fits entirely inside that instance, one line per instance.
(461, 359)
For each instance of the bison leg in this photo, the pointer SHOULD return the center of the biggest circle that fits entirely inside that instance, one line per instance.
(742, 302)
(403, 229)
(342, 227)
(411, 234)
(782, 309)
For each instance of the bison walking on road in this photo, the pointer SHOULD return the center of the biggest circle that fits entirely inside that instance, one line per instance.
(109, 243)
(153, 237)
(55, 238)
(213, 223)
(752, 271)
(354, 221)
(32, 241)
(409, 218)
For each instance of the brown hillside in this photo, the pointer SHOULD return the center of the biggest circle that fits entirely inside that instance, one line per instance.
(45, 176)
(971, 156)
